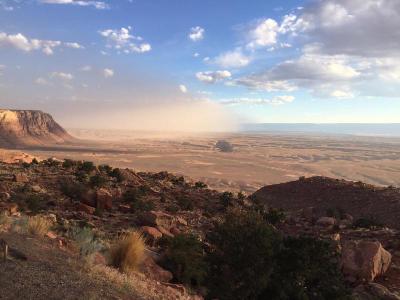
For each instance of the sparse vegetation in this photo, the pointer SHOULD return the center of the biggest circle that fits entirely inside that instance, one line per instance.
(74, 190)
(38, 225)
(98, 180)
(367, 222)
(87, 167)
(86, 240)
(185, 203)
(128, 252)
(200, 185)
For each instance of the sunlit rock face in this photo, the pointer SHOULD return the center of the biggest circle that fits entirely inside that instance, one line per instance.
(30, 127)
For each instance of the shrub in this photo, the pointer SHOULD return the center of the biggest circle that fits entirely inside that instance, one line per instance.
(241, 196)
(226, 199)
(185, 203)
(51, 162)
(34, 161)
(128, 252)
(38, 225)
(142, 205)
(117, 174)
(69, 163)
(74, 190)
(82, 177)
(86, 240)
(274, 216)
(31, 201)
(224, 146)
(367, 222)
(98, 180)
(336, 212)
(305, 268)
(106, 169)
(200, 185)
(178, 180)
(242, 256)
(184, 257)
(87, 167)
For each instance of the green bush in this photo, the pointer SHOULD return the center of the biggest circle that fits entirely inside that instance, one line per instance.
(73, 190)
(117, 174)
(86, 240)
(106, 169)
(367, 222)
(87, 167)
(184, 257)
(241, 257)
(185, 203)
(226, 199)
(305, 268)
(98, 180)
(69, 163)
(31, 201)
(82, 177)
(200, 185)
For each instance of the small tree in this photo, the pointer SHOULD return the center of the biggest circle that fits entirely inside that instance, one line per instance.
(184, 257)
(242, 256)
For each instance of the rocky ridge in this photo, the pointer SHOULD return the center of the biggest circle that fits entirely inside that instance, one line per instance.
(30, 127)
(167, 205)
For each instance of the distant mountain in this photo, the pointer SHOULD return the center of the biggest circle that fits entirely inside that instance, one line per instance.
(30, 128)
(363, 129)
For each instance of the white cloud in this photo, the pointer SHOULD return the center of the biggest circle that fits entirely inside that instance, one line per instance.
(183, 88)
(212, 77)
(21, 42)
(349, 49)
(62, 76)
(196, 33)
(278, 100)
(95, 4)
(107, 73)
(41, 81)
(263, 34)
(74, 46)
(86, 68)
(122, 40)
(196, 54)
(232, 59)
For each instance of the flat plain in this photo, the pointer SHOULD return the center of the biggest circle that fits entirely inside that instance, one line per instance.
(257, 159)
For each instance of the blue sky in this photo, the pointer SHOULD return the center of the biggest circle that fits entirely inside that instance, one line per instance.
(258, 61)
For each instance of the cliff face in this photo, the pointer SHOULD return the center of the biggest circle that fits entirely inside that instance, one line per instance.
(30, 127)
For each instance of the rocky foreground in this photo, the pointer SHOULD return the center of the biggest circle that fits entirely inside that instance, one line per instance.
(350, 217)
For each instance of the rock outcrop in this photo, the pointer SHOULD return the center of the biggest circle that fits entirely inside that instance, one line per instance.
(364, 260)
(30, 127)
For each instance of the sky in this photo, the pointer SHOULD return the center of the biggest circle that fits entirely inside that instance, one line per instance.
(201, 65)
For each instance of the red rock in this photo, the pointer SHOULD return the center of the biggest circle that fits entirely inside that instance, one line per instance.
(154, 271)
(165, 231)
(364, 260)
(326, 221)
(89, 198)
(98, 259)
(86, 208)
(51, 235)
(157, 218)
(124, 208)
(21, 178)
(175, 231)
(104, 199)
(151, 232)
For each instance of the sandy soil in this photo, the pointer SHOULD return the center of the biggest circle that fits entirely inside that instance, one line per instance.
(258, 159)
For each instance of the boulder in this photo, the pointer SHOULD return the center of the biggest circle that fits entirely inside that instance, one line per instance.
(86, 208)
(104, 199)
(4, 196)
(36, 189)
(21, 178)
(373, 291)
(364, 260)
(326, 222)
(89, 198)
(157, 218)
(165, 231)
(154, 271)
(151, 233)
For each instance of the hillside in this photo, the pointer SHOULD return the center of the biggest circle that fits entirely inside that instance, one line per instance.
(88, 207)
(30, 128)
(356, 198)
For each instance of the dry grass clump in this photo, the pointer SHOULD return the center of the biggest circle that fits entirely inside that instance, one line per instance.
(38, 225)
(128, 252)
